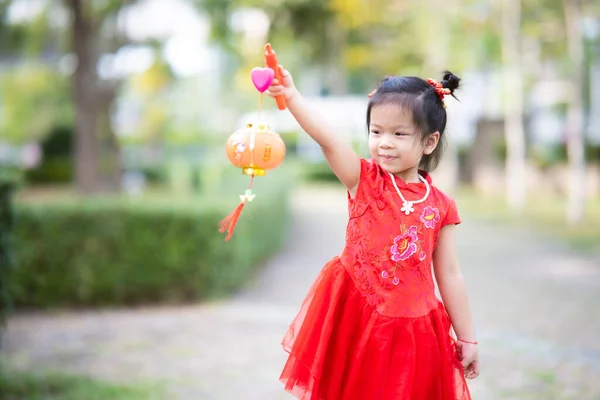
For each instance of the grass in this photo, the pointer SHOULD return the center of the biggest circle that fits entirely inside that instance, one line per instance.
(544, 214)
(28, 386)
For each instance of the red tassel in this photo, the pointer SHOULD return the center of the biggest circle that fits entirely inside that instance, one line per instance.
(228, 223)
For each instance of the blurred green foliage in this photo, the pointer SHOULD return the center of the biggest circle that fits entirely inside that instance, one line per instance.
(319, 172)
(57, 161)
(34, 98)
(157, 248)
(8, 184)
(290, 139)
(26, 386)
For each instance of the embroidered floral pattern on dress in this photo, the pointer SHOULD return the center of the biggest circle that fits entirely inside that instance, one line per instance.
(430, 217)
(368, 280)
(405, 246)
(380, 254)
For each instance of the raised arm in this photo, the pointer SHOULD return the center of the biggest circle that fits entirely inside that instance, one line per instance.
(342, 159)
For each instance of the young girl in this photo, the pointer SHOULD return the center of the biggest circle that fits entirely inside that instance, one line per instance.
(371, 326)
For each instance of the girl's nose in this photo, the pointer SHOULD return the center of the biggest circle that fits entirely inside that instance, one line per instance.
(385, 143)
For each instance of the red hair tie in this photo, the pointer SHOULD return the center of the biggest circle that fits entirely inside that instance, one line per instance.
(441, 91)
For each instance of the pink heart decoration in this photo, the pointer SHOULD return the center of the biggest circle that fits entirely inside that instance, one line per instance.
(262, 78)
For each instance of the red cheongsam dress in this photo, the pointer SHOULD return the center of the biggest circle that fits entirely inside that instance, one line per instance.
(371, 326)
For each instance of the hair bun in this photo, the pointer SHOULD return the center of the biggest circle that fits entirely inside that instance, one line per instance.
(450, 81)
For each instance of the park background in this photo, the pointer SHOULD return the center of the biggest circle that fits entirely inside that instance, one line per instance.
(115, 281)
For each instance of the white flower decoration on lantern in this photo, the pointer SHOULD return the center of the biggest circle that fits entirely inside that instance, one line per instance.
(247, 196)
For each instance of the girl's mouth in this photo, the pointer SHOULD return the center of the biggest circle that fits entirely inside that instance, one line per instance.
(387, 158)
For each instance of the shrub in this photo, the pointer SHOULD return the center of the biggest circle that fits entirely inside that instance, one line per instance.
(57, 162)
(290, 138)
(7, 186)
(115, 251)
(319, 172)
(52, 170)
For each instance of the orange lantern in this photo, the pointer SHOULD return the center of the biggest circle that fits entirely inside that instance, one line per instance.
(255, 149)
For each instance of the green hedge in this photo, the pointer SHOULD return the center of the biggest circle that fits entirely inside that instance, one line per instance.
(127, 252)
(57, 161)
(7, 186)
(319, 172)
(52, 170)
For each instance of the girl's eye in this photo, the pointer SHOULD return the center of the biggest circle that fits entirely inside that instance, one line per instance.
(375, 132)
(401, 134)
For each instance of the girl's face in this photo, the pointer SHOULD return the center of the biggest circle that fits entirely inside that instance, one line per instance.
(394, 142)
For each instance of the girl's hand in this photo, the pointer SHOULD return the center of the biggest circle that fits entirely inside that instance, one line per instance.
(469, 357)
(286, 87)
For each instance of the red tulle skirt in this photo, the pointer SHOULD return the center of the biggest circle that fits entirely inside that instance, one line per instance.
(341, 348)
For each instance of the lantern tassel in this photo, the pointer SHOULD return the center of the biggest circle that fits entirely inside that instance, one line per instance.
(229, 222)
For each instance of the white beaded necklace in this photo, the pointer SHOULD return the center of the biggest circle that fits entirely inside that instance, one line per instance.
(407, 206)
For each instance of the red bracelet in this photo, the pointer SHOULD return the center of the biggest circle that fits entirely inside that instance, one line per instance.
(466, 341)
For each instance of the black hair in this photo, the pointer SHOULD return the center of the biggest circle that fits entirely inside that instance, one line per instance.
(414, 94)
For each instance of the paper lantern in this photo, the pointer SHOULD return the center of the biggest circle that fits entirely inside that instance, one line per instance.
(255, 149)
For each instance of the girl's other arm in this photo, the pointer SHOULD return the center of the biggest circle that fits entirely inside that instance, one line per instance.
(342, 159)
(454, 295)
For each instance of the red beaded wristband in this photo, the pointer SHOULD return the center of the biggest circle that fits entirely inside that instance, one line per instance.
(466, 341)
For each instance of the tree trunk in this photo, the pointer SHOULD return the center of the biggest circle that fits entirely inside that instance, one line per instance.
(516, 179)
(109, 155)
(574, 128)
(84, 78)
(89, 110)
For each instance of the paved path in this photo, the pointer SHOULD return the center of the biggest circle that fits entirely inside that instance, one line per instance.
(536, 305)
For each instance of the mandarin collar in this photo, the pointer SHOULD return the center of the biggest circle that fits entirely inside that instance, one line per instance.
(413, 185)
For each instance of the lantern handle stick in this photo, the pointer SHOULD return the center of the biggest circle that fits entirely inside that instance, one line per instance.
(252, 140)
(260, 98)
(271, 61)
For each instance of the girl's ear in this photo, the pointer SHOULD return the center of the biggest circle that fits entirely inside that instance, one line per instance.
(431, 143)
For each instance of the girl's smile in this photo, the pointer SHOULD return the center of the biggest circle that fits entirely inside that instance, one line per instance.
(387, 158)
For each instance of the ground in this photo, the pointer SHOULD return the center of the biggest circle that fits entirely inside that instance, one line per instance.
(535, 304)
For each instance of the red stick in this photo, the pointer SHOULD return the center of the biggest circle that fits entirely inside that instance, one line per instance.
(271, 61)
